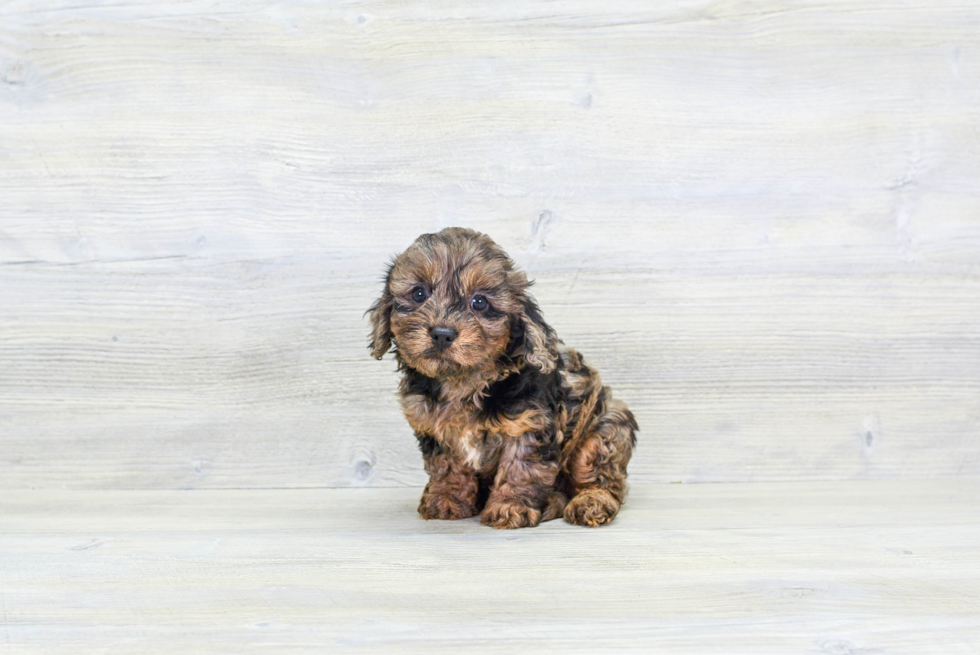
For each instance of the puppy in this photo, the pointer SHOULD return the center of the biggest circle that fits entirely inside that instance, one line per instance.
(511, 424)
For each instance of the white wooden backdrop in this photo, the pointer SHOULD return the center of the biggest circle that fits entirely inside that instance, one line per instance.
(761, 220)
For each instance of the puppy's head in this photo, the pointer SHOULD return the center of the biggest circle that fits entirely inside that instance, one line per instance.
(454, 303)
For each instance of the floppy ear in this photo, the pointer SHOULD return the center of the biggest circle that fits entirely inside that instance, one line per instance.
(540, 341)
(379, 341)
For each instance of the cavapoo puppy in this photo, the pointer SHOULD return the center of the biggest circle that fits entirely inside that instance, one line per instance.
(512, 425)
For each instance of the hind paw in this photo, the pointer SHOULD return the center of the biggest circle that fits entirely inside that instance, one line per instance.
(591, 508)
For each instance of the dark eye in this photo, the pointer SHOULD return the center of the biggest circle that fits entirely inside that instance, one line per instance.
(479, 304)
(419, 294)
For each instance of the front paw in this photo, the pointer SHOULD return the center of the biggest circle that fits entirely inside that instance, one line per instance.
(509, 513)
(445, 507)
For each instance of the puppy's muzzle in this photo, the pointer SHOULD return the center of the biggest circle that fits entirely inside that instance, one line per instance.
(442, 336)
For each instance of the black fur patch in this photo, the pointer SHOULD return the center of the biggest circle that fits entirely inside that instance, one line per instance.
(518, 391)
(428, 445)
(516, 337)
(422, 385)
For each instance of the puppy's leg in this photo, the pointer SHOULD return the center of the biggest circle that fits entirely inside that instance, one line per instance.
(453, 488)
(524, 486)
(596, 469)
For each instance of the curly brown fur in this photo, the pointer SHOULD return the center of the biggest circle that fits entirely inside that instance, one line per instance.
(511, 424)
(453, 488)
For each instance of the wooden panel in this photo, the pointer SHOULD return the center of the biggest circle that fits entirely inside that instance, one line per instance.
(258, 375)
(737, 568)
(760, 222)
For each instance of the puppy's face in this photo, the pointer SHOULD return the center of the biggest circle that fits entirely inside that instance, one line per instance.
(453, 303)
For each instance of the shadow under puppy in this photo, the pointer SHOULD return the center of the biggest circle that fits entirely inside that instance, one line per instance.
(511, 424)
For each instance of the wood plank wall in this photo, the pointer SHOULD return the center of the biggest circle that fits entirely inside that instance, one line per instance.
(760, 220)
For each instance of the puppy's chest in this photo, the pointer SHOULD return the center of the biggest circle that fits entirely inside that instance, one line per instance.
(480, 449)
(464, 429)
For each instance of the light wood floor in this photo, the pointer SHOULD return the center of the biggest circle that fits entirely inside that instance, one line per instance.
(858, 567)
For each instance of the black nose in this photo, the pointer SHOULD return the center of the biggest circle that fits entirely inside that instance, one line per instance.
(442, 336)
